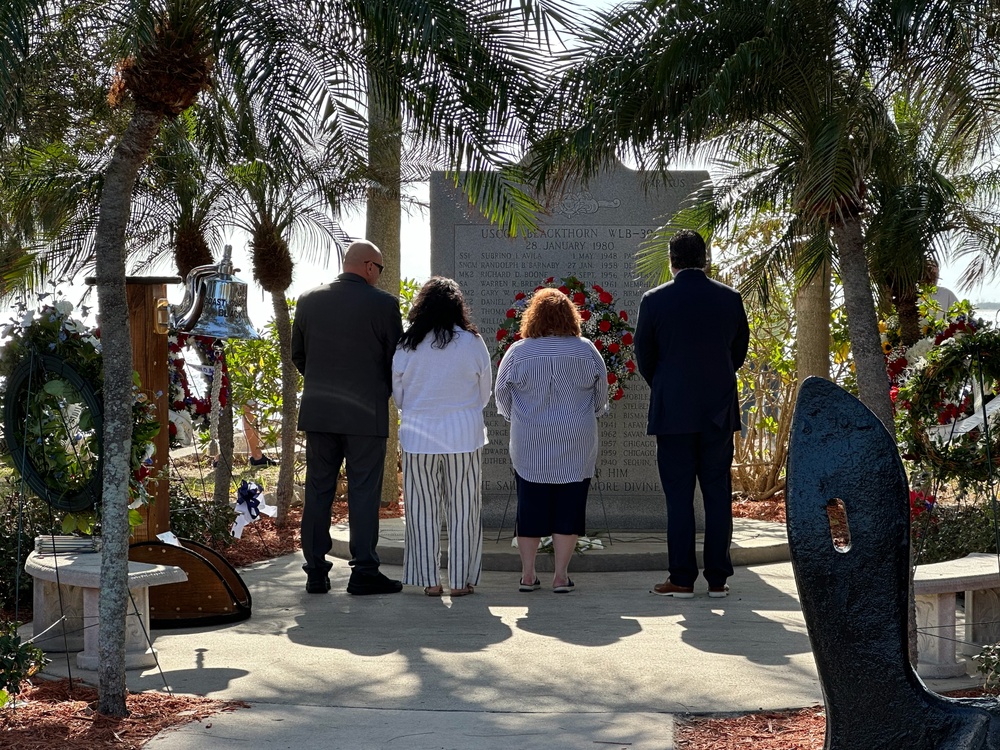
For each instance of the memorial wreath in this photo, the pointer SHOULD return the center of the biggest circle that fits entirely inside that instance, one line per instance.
(606, 327)
(937, 392)
(55, 421)
(186, 408)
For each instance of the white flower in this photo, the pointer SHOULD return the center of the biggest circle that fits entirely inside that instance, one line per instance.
(919, 349)
(28, 319)
(64, 307)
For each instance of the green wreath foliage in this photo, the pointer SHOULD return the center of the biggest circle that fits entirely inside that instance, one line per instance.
(55, 415)
(939, 393)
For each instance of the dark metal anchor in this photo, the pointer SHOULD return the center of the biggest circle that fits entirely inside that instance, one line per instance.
(855, 599)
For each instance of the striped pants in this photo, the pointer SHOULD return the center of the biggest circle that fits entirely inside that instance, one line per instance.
(451, 480)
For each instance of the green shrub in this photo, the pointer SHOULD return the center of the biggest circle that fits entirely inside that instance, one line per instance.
(951, 532)
(17, 540)
(201, 520)
(18, 661)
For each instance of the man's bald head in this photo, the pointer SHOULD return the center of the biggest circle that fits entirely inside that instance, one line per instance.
(364, 259)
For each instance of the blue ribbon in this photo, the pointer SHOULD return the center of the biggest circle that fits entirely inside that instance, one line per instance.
(248, 494)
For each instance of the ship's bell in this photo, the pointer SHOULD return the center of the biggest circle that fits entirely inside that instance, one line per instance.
(215, 303)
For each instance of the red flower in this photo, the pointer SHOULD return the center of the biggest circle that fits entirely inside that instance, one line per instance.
(630, 366)
(539, 287)
(618, 394)
(614, 348)
(564, 289)
(579, 298)
(612, 378)
(893, 393)
(549, 280)
(517, 337)
(605, 326)
(201, 407)
(172, 429)
(627, 338)
(606, 297)
(585, 314)
(520, 295)
(501, 334)
(623, 315)
(178, 405)
(597, 288)
(599, 345)
(512, 313)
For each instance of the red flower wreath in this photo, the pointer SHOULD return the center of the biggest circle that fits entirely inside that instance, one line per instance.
(606, 327)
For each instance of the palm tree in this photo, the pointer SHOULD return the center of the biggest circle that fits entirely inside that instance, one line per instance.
(166, 51)
(441, 84)
(279, 193)
(930, 198)
(802, 85)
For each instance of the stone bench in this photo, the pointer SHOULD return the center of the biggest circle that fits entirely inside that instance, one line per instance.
(69, 585)
(934, 587)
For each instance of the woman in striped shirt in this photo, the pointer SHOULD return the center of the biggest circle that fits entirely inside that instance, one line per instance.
(441, 378)
(552, 386)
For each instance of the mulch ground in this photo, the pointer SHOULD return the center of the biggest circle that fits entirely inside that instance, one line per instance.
(801, 729)
(49, 715)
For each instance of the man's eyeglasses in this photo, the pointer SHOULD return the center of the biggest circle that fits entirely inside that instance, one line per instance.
(379, 266)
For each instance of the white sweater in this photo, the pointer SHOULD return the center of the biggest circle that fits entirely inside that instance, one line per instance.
(441, 394)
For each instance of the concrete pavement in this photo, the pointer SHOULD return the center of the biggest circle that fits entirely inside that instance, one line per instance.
(608, 666)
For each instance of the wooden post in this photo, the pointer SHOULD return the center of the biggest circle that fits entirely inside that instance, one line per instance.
(149, 359)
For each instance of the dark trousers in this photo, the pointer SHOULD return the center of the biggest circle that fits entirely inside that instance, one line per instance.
(365, 456)
(707, 456)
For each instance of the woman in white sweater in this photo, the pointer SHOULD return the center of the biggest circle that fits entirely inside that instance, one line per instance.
(441, 381)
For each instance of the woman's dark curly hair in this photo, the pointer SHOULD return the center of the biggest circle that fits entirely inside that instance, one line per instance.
(439, 308)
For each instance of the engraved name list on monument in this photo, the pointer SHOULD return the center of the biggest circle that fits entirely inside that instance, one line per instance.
(593, 235)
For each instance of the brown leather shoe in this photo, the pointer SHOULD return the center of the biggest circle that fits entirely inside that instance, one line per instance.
(718, 592)
(671, 589)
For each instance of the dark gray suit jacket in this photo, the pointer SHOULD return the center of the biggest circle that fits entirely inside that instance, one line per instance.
(343, 339)
(690, 339)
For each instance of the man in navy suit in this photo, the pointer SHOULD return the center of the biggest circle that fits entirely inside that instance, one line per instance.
(343, 340)
(690, 339)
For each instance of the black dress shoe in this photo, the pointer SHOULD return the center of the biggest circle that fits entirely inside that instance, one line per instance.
(262, 461)
(363, 584)
(318, 585)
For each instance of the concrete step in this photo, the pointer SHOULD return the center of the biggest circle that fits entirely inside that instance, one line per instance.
(754, 543)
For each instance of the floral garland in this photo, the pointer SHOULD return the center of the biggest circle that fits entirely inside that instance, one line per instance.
(937, 391)
(52, 330)
(185, 407)
(607, 328)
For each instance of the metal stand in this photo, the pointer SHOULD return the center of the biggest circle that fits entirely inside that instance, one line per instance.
(600, 494)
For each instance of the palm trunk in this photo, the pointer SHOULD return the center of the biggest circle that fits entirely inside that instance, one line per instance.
(869, 362)
(905, 301)
(812, 323)
(382, 227)
(862, 322)
(116, 345)
(222, 494)
(289, 408)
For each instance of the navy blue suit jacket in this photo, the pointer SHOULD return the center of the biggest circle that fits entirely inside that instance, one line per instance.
(690, 339)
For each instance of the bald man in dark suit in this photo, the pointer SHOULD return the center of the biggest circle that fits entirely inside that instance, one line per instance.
(343, 340)
(691, 337)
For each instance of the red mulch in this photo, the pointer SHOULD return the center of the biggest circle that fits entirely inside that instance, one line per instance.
(263, 540)
(47, 715)
(772, 509)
